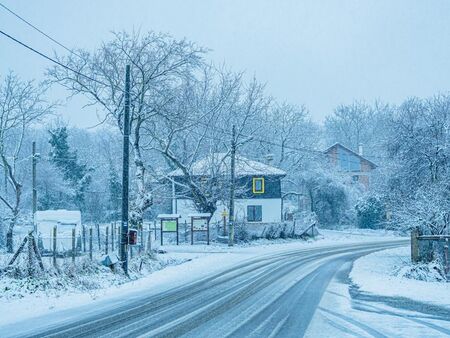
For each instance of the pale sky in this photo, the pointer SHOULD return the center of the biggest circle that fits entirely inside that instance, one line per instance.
(316, 53)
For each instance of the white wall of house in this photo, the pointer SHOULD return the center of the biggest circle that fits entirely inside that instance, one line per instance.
(271, 209)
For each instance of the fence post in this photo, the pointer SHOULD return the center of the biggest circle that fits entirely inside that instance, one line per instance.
(37, 253)
(141, 247)
(90, 243)
(106, 240)
(149, 240)
(74, 247)
(113, 228)
(447, 267)
(30, 255)
(54, 245)
(83, 233)
(98, 237)
(414, 245)
(118, 237)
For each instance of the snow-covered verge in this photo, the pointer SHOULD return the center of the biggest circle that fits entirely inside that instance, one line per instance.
(101, 287)
(84, 276)
(390, 273)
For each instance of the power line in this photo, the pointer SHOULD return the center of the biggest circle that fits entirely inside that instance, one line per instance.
(51, 59)
(299, 149)
(39, 30)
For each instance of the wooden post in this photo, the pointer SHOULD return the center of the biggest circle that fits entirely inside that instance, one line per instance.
(33, 184)
(192, 231)
(90, 243)
(161, 232)
(74, 248)
(185, 231)
(224, 225)
(25, 240)
(106, 240)
(30, 255)
(141, 247)
(232, 188)
(37, 253)
(149, 240)
(446, 256)
(98, 237)
(207, 231)
(113, 229)
(54, 246)
(83, 233)
(414, 245)
(154, 227)
(177, 232)
(118, 237)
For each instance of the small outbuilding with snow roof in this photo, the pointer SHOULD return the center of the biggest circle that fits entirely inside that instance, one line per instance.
(258, 189)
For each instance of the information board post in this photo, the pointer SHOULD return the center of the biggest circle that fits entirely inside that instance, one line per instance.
(169, 224)
(200, 223)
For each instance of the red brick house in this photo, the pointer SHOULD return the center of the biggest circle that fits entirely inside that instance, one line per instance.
(346, 160)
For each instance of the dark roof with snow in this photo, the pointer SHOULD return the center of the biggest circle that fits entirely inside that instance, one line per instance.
(220, 163)
(337, 144)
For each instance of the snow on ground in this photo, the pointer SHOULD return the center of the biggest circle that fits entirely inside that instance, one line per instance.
(378, 274)
(341, 315)
(200, 261)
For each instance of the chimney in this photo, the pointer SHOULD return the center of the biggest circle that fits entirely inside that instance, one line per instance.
(360, 149)
(269, 159)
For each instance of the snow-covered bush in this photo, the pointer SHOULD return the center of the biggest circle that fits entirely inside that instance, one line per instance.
(241, 232)
(370, 212)
(429, 272)
(331, 202)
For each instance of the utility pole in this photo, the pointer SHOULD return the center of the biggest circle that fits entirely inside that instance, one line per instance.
(125, 175)
(232, 183)
(34, 161)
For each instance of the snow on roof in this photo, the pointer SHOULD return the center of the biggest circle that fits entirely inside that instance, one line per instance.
(220, 163)
(200, 215)
(60, 216)
(169, 216)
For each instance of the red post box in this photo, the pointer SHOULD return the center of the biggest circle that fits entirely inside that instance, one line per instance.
(132, 237)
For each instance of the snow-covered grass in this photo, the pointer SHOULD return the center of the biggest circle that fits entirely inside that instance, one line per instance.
(84, 276)
(389, 273)
(100, 286)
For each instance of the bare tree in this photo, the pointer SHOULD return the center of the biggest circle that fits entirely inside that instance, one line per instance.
(198, 126)
(159, 65)
(21, 105)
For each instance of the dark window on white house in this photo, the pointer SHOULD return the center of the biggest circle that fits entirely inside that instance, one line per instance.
(254, 213)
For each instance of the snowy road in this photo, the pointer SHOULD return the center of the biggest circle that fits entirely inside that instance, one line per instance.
(288, 294)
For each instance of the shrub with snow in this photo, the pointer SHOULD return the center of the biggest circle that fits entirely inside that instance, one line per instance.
(429, 272)
(370, 212)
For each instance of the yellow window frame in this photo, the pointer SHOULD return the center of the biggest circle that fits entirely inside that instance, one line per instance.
(255, 179)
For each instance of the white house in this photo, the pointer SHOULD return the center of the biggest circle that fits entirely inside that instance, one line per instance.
(258, 199)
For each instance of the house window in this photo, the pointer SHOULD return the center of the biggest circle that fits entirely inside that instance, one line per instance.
(254, 213)
(258, 185)
(348, 161)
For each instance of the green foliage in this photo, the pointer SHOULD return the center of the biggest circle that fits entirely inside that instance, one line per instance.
(115, 193)
(370, 213)
(75, 174)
